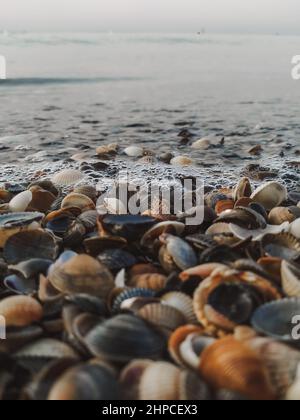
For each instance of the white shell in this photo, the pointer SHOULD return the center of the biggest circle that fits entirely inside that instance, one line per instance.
(182, 161)
(202, 144)
(295, 228)
(258, 234)
(67, 177)
(290, 281)
(20, 202)
(134, 151)
(218, 229)
(270, 195)
(182, 303)
(114, 206)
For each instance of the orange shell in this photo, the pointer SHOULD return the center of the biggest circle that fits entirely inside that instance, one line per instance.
(20, 311)
(224, 205)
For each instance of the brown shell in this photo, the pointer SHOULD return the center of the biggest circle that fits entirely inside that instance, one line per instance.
(82, 274)
(163, 316)
(20, 311)
(178, 336)
(224, 205)
(279, 215)
(230, 364)
(81, 201)
(202, 271)
(153, 281)
(42, 200)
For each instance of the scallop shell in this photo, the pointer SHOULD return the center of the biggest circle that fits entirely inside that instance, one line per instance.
(162, 316)
(85, 383)
(27, 245)
(270, 195)
(81, 274)
(134, 151)
(182, 161)
(290, 276)
(81, 201)
(129, 294)
(123, 338)
(182, 303)
(20, 202)
(232, 365)
(275, 319)
(20, 311)
(67, 177)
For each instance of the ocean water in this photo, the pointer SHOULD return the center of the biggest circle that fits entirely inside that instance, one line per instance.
(69, 93)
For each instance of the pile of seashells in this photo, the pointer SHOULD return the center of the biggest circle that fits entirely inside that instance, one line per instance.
(145, 307)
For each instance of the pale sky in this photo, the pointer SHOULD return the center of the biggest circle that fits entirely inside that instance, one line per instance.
(262, 16)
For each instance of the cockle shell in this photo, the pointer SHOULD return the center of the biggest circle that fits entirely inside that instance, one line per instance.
(47, 348)
(20, 202)
(294, 228)
(67, 177)
(20, 311)
(12, 223)
(182, 303)
(232, 365)
(153, 281)
(81, 201)
(270, 195)
(162, 316)
(290, 276)
(280, 215)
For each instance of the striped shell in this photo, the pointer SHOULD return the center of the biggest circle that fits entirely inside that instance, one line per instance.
(20, 311)
(67, 177)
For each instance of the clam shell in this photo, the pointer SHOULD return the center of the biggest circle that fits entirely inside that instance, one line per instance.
(160, 381)
(284, 246)
(182, 303)
(162, 227)
(182, 161)
(280, 215)
(67, 177)
(46, 348)
(128, 226)
(177, 251)
(81, 274)
(81, 201)
(20, 202)
(123, 338)
(295, 228)
(12, 223)
(163, 316)
(107, 149)
(20, 311)
(224, 205)
(270, 195)
(242, 190)
(17, 338)
(275, 319)
(85, 383)
(129, 294)
(130, 378)
(232, 365)
(27, 245)
(218, 229)
(178, 337)
(257, 234)
(290, 276)
(87, 190)
(42, 200)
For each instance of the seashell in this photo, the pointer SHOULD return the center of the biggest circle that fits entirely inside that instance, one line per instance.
(141, 268)
(31, 268)
(284, 246)
(182, 303)
(27, 245)
(85, 383)
(181, 161)
(45, 185)
(153, 281)
(202, 144)
(42, 200)
(107, 149)
(162, 316)
(128, 226)
(81, 274)
(243, 217)
(20, 311)
(129, 294)
(117, 259)
(270, 195)
(294, 228)
(115, 206)
(134, 151)
(281, 215)
(80, 201)
(18, 337)
(130, 378)
(160, 228)
(19, 285)
(10, 224)
(242, 190)
(202, 271)
(178, 337)
(218, 229)
(130, 334)
(232, 365)
(275, 319)
(272, 266)
(243, 202)
(67, 177)
(228, 298)
(87, 190)
(46, 348)
(280, 360)
(224, 205)
(20, 202)
(159, 381)
(257, 234)
(176, 254)
(290, 275)
(293, 393)
(47, 293)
